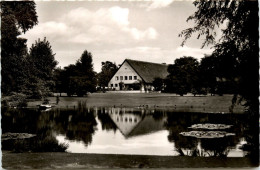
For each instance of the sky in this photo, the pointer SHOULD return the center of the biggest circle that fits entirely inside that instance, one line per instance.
(116, 30)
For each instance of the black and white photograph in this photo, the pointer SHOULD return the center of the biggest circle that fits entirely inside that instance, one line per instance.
(96, 84)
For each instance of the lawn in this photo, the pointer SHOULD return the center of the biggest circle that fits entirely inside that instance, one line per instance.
(215, 104)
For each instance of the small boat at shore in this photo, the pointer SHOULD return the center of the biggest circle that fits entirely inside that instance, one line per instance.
(44, 106)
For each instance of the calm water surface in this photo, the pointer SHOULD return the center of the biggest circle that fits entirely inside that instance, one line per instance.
(123, 131)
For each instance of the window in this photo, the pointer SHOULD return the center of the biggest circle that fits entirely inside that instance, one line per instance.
(121, 77)
(116, 77)
(135, 77)
(115, 85)
(125, 77)
(111, 85)
(130, 77)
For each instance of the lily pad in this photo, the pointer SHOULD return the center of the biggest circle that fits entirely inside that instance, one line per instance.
(7, 136)
(207, 134)
(210, 126)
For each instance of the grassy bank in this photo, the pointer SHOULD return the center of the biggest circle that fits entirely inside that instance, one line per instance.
(83, 161)
(215, 104)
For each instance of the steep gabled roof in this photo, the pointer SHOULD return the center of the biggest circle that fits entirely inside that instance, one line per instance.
(148, 125)
(148, 71)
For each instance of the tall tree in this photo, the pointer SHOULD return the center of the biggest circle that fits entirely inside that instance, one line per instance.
(240, 43)
(107, 71)
(78, 78)
(16, 18)
(86, 80)
(42, 58)
(239, 40)
(42, 62)
(182, 75)
(208, 73)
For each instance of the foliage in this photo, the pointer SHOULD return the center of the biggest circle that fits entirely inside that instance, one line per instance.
(78, 78)
(158, 84)
(16, 17)
(41, 63)
(42, 59)
(208, 73)
(30, 74)
(182, 75)
(239, 47)
(107, 71)
(238, 44)
(15, 100)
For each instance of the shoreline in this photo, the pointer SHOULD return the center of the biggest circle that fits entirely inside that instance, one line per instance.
(203, 104)
(84, 160)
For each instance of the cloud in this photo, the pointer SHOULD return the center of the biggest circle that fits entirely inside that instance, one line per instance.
(149, 33)
(112, 22)
(193, 52)
(83, 26)
(156, 4)
(52, 28)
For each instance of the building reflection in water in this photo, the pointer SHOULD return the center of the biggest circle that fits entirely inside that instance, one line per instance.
(81, 125)
(132, 122)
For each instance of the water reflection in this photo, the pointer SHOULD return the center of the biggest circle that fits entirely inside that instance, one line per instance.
(121, 131)
(191, 146)
(26, 121)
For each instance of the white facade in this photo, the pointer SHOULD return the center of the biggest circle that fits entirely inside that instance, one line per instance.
(126, 75)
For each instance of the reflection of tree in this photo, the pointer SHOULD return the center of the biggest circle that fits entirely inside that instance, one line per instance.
(179, 122)
(77, 124)
(217, 146)
(251, 136)
(19, 120)
(106, 122)
(28, 121)
(158, 115)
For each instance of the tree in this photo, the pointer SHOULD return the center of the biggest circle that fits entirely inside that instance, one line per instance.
(86, 80)
(208, 73)
(16, 17)
(42, 58)
(182, 75)
(42, 67)
(240, 43)
(107, 71)
(78, 78)
(158, 84)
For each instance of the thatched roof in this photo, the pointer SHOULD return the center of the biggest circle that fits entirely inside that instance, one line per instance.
(148, 71)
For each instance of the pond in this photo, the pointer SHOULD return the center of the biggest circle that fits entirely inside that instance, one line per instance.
(138, 131)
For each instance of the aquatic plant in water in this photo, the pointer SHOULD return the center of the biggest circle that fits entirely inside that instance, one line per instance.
(7, 136)
(207, 134)
(210, 126)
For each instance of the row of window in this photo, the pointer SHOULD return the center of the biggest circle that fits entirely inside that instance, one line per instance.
(126, 119)
(126, 77)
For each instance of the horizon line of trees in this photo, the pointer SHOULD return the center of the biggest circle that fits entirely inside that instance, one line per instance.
(188, 75)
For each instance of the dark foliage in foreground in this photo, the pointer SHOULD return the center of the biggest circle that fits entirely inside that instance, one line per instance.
(237, 49)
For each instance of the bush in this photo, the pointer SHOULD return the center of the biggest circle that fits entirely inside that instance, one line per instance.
(18, 100)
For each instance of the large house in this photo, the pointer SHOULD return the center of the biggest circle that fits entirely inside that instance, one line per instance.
(137, 75)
